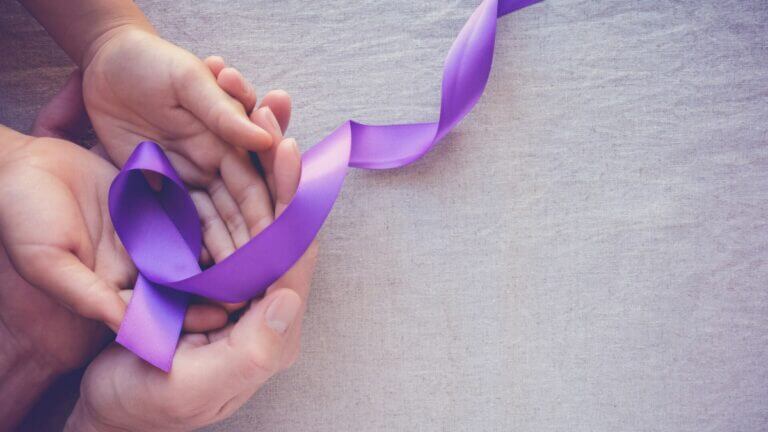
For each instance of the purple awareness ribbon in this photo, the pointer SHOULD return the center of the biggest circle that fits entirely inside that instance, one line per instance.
(161, 230)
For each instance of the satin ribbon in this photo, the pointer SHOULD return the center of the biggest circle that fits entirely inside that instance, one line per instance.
(161, 230)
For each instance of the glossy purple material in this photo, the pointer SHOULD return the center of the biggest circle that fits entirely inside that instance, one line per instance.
(161, 230)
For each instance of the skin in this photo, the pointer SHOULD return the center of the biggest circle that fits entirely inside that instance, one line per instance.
(55, 226)
(60, 262)
(214, 372)
(197, 123)
(63, 271)
(77, 339)
(137, 86)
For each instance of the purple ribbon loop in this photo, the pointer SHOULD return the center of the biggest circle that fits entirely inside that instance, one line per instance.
(161, 230)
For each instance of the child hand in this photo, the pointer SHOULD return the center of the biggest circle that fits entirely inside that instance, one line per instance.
(213, 373)
(137, 87)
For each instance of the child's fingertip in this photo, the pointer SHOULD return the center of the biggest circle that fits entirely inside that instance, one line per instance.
(215, 64)
(264, 118)
(280, 103)
(295, 147)
(256, 138)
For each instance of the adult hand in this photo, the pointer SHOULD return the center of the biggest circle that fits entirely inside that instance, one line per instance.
(215, 372)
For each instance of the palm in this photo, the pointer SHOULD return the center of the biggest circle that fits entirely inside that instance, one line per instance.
(236, 359)
(122, 389)
(139, 87)
(58, 236)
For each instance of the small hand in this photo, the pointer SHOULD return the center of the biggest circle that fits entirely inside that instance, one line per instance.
(138, 87)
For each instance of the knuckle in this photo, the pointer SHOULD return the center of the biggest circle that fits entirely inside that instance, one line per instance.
(219, 114)
(183, 406)
(259, 362)
(88, 309)
(234, 221)
(178, 408)
(252, 191)
(207, 157)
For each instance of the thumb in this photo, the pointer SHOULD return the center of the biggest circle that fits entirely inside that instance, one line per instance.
(63, 276)
(199, 93)
(253, 351)
(259, 338)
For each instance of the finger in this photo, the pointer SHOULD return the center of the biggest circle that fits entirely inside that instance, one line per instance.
(264, 118)
(298, 278)
(190, 173)
(206, 260)
(287, 176)
(232, 307)
(204, 317)
(215, 64)
(199, 92)
(249, 191)
(216, 236)
(279, 102)
(229, 212)
(155, 180)
(233, 82)
(62, 275)
(200, 317)
(219, 334)
(253, 350)
(287, 173)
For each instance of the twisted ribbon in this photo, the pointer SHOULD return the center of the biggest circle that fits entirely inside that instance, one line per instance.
(161, 230)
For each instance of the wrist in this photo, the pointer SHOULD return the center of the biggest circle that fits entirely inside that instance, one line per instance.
(23, 378)
(80, 26)
(109, 33)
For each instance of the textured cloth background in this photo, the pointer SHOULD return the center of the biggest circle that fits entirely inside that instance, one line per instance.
(588, 251)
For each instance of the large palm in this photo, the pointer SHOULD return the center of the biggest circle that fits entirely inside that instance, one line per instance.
(62, 262)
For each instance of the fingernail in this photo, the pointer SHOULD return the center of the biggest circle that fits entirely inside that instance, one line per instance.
(292, 143)
(273, 120)
(283, 310)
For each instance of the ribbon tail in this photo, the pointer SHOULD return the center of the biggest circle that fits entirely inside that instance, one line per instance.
(161, 231)
(153, 322)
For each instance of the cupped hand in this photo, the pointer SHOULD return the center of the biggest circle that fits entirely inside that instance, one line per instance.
(64, 270)
(137, 86)
(55, 225)
(214, 372)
